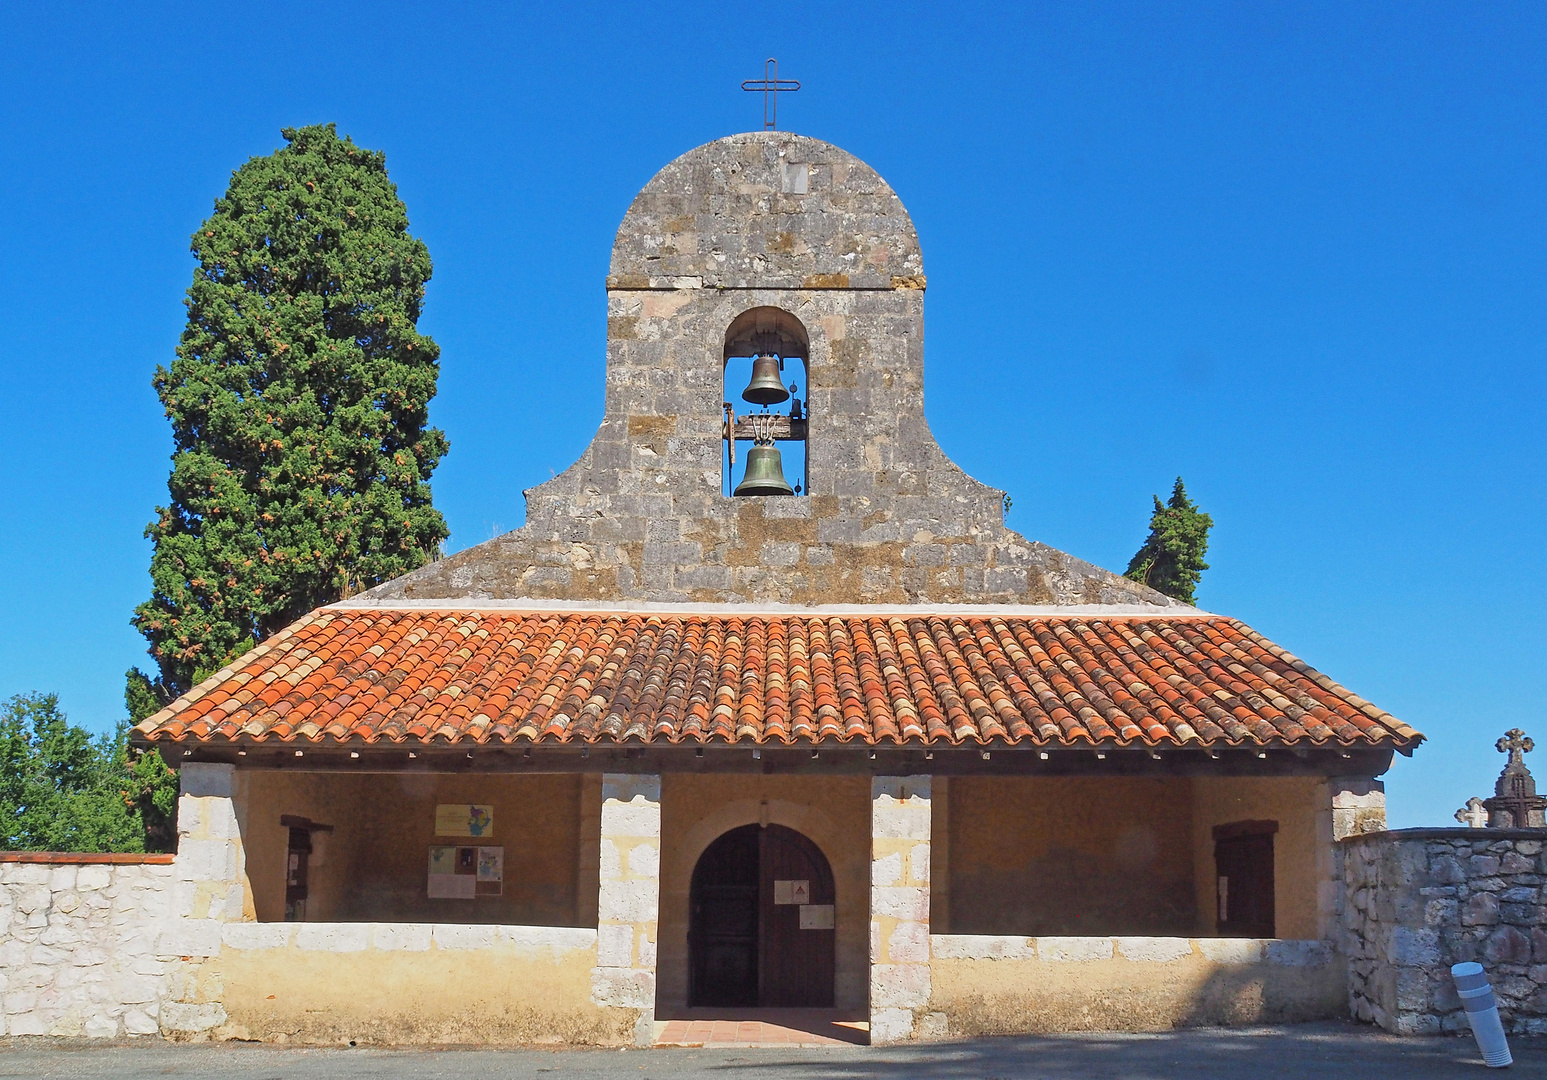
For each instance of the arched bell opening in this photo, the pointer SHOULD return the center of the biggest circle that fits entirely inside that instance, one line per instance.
(760, 922)
(765, 403)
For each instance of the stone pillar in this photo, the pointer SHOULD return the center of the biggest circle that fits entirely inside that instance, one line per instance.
(899, 907)
(209, 889)
(1358, 805)
(628, 900)
(1352, 806)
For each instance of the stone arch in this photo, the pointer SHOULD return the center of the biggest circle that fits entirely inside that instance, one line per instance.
(767, 329)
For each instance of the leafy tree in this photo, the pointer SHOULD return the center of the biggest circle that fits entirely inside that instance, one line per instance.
(63, 790)
(1171, 559)
(299, 401)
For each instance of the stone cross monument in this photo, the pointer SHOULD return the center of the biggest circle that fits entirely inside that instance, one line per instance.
(1515, 803)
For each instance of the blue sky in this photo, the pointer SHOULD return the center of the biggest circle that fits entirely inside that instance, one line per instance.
(1294, 253)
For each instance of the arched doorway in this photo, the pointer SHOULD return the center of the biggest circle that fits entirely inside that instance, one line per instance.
(760, 926)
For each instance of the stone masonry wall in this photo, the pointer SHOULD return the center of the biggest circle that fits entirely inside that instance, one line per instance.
(1420, 900)
(78, 945)
(765, 220)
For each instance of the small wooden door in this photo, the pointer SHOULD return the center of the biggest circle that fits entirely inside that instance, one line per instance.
(1243, 865)
(760, 922)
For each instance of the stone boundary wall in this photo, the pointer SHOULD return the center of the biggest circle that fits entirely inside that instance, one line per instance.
(1419, 900)
(990, 985)
(78, 943)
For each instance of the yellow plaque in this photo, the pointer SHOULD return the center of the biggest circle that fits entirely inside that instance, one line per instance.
(464, 819)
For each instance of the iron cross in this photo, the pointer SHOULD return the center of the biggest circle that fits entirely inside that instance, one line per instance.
(770, 84)
(1515, 742)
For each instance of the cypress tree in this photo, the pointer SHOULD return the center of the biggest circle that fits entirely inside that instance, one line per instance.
(299, 401)
(1171, 560)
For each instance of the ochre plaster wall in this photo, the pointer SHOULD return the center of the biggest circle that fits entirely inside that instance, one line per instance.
(834, 812)
(1006, 986)
(373, 866)
(1301, 853)
(1070, 855)
(413, 984)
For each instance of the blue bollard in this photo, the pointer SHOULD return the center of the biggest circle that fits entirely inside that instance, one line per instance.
(1482, 1012)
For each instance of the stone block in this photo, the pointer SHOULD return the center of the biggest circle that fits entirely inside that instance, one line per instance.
(1074, 950)
(1154, 950)
(908, 943)
(909, 903)
(401, 937)
(30, 1023)
(629, 901)
(1231, 950)
(178, 1016)
(1299, 953)
(1410, 947)
(899, 986)
(190, 937)
(138, 1022)
(623, 987)
(1506, 945)
(886, 870)
(644, 860)
(206, 860)
(1480, 866)
(333, 937)
(92, 878)
(1481, 909)
(615, 945)
(888, 1026)
(101, 1026)
(918, 862)
(464, 937)
(131, 989)
(981, 947)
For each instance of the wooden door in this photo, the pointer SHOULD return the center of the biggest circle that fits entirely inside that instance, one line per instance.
(796, 962)
(723, 925)
(1243, 862)
(747, 944)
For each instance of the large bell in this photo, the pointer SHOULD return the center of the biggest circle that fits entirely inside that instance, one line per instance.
(765, 473)
(767, 386)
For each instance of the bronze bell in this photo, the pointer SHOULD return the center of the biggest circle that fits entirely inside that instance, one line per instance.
(767, 386)
(765, 473)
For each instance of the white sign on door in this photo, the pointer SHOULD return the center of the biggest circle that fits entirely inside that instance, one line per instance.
(816, 917)
(792, 892)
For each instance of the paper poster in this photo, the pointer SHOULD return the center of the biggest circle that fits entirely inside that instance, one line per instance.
(816, 917)
(792, 892)
(464, 819)
(491, 871)
(463, 873)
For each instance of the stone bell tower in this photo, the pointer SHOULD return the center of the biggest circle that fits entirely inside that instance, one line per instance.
(775, 238)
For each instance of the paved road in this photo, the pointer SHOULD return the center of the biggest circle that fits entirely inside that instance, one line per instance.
(1320, 1051)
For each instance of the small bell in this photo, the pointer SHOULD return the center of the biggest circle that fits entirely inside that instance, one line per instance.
(765, 473)
(766, 387)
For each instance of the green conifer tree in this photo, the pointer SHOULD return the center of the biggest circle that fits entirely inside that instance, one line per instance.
(1171, 560)
(299, 401)
(63, 790)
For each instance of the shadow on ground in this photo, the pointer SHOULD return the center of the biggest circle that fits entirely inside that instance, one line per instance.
(1322, 1051)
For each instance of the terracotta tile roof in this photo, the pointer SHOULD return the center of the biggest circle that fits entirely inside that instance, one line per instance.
(508, 676)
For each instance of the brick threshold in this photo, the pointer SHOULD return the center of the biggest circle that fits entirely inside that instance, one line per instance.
(748, 1028)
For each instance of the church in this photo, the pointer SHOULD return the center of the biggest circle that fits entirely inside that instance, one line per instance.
(765, 712)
